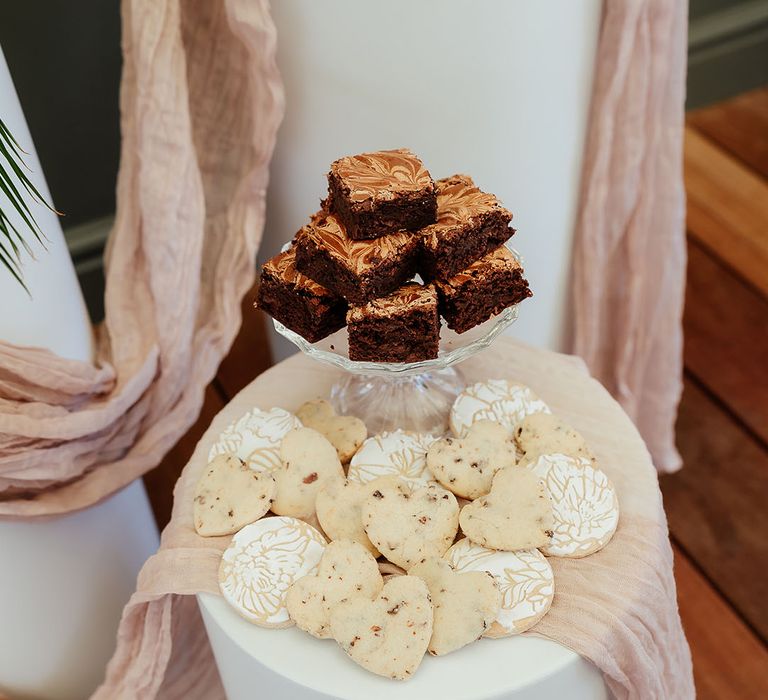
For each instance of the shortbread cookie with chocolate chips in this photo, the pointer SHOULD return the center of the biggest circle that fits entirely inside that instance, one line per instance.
(346, 571)
(516, 514)
(466, 466)
(345, 433)
(309, 462)
(390, 634)
(229, 495)
(465, 604)
(408, 526)
(339, 509)
(545, 433)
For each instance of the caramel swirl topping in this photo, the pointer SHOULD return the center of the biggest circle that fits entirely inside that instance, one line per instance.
(408, 296)
(283, 266)
(383, 174)
(327, 232)
(502, 258)
(459, 201)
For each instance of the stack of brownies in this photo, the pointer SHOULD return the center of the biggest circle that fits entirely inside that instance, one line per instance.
(385, 220)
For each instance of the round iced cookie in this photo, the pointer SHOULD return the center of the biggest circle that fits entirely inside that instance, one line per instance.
(400, 453)
(525, 580)
(496, 400)
(584, 505)
(262, 562)
(255, 438)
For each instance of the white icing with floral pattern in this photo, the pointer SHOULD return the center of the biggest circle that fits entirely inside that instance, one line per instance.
(255, 438)
(584, 504)
(497, 400)
(262, 562)
(399, 453)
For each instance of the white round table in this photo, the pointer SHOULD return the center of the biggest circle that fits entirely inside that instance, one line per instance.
(288, 664)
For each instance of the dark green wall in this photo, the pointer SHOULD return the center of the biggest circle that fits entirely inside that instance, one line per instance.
(727, 49)
(64, 56)
(65, 59)
(699, 8)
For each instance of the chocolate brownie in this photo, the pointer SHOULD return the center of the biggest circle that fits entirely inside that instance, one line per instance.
(484, 289)
(298, 302)
(355, 270)
(470, 224)
(401, 327)
(378, 193)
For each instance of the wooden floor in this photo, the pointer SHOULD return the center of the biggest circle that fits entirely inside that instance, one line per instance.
(717, 510)
(716, 505)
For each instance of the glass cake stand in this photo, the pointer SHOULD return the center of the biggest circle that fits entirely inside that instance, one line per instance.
(413, 395)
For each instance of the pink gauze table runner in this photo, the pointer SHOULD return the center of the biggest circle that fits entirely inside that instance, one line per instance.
(616, 608)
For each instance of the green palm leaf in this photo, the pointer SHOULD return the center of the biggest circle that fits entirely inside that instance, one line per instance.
(15, 191)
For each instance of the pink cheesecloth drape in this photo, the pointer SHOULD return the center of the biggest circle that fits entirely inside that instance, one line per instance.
(629, 253)
(201, 102)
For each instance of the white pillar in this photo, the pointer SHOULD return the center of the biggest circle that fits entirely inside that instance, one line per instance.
(499, 89)
(63, 581)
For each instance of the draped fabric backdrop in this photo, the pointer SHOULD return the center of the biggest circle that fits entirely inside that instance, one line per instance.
(629, 253)
(201, 100)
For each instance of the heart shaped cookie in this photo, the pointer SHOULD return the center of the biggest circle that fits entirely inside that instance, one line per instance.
(525, 580)
(345, 433)
(408, 525)
(339, 510)
(465, 604)
(516, 514)
(390, 634)
(545, 433)
(229, 495)
(346, 570)
(309, 462)
(466, 466)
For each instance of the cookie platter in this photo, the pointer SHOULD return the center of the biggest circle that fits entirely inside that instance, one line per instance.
(392, 546)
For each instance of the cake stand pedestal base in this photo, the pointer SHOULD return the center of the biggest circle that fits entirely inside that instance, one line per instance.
(388, 402)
